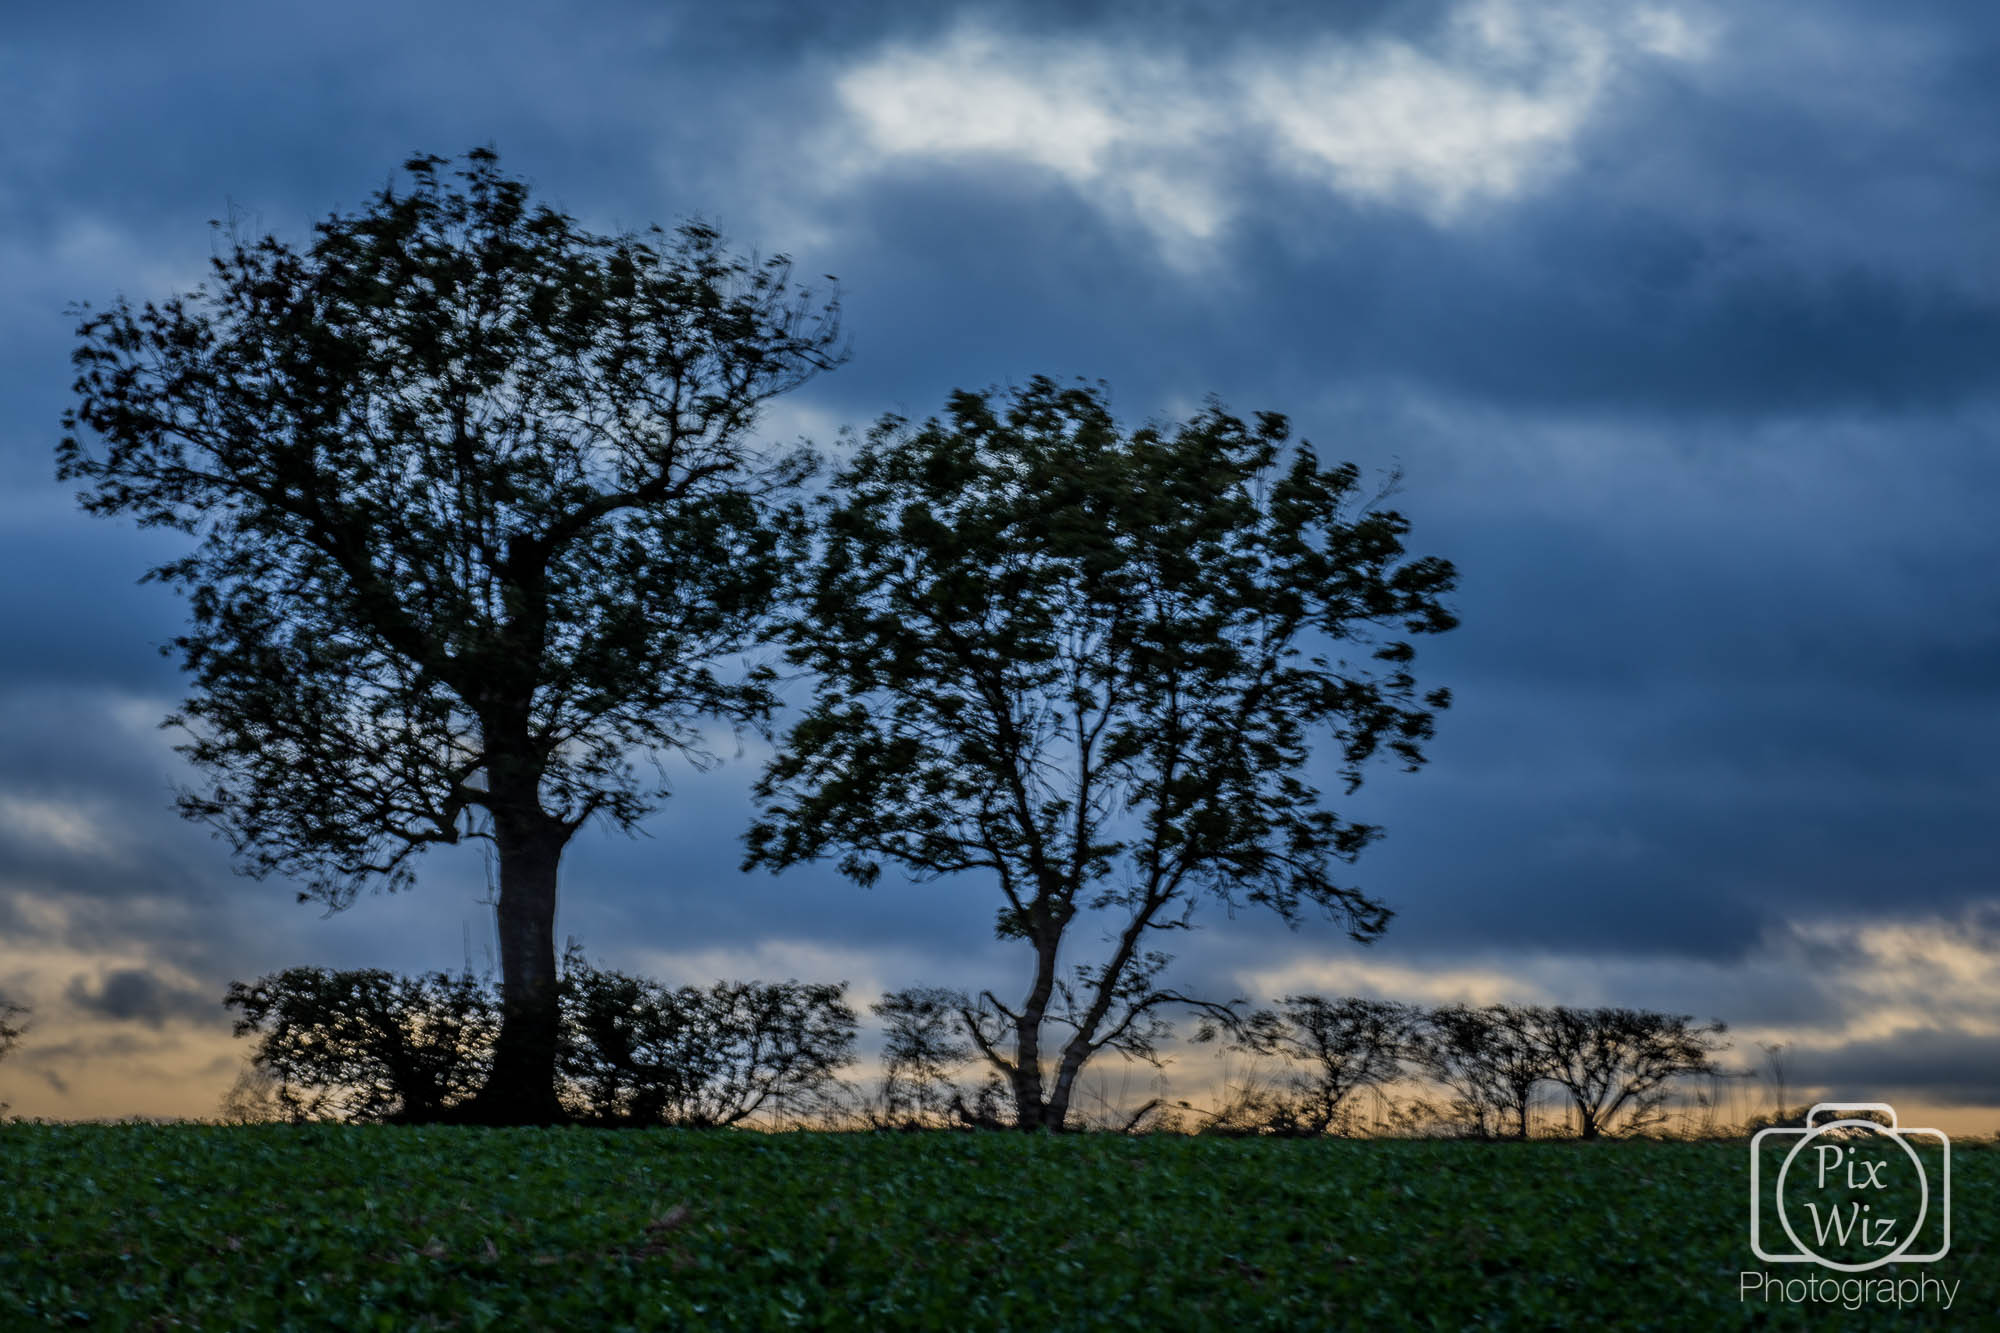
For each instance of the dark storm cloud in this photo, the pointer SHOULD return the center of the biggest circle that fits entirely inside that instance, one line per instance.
(1621, 283)
(1564, 325)
(93, 860)
(1948, 1068)
(1722, 243)
(54, 636)
(1581, 299)
(137, 995)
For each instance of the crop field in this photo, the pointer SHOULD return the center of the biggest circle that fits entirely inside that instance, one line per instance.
(370, 1227)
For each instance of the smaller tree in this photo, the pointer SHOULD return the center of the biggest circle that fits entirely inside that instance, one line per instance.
(1089, 667)
(253, 1098)
(924, 1050)
(1615, 1062)
(1777, 1067)
(1335, 1048)
(1487, 1059)
(369, 1045)
(12, 1025)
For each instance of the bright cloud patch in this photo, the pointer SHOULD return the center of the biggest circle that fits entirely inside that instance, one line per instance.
(868, 972)
(1130, 131)
(60, 826)
(1477, 115)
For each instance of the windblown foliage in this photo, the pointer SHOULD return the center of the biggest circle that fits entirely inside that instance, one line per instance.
(1088, 666)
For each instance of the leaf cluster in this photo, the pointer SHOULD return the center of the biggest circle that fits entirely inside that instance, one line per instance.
(1089, 662)
(12, 1025)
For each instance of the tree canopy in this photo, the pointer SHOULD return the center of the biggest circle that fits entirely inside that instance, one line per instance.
(1090, 666)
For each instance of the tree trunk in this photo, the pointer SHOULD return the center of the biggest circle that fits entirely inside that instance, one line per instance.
(1057, 1113)
(1075, 1052)
(1030, 1112)
(521, 1090)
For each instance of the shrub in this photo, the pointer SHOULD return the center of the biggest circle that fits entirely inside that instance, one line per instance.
(636, 1052)
(367, 1045)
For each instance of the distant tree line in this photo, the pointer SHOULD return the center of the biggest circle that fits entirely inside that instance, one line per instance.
(1465, 1069)
(1615, 1067)
(367, 1045)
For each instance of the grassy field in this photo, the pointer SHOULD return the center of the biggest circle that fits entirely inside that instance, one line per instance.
(348, 1227)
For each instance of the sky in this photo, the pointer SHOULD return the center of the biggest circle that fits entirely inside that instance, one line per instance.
(1680, 320)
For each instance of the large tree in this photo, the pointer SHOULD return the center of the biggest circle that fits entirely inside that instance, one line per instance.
(480, 528)
(1088, 665)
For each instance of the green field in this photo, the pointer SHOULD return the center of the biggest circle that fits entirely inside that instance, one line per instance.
(352, 1227)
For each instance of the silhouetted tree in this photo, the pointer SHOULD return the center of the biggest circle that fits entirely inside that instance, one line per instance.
(1777, 1067)
(636, 1052)
(366, 1044)
(1087, 664)
(925, 1048)
(1616, 1062)
(12, 1025)
(1488, 1058)
(1334, 1048)
(479, 520)
(253, 1098)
